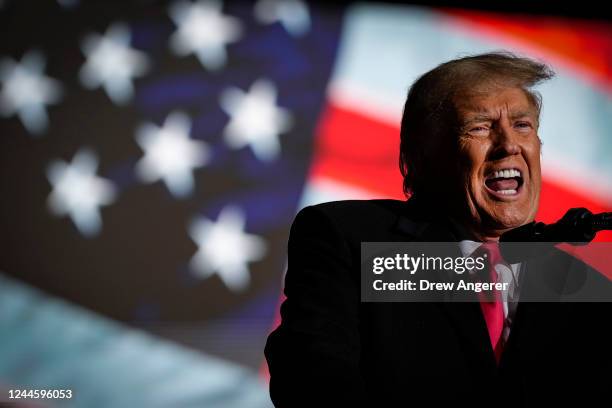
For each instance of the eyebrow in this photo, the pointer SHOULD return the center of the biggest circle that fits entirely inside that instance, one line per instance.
(485, 117)
(478, 118)
(522, 114)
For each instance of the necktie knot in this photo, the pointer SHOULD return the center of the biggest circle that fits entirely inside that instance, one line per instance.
(494, 255)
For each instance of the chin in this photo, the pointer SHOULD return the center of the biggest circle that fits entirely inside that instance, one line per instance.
(509, 219)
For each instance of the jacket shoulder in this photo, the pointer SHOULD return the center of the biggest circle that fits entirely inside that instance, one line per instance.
(355, 215)
(359, 207)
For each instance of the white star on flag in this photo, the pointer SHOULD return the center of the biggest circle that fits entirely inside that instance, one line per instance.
(170, 155)
(225, 249)
(292, 14)
(112, 63)
(255, 119)
(26, 91)
(204, 31)
(78, 192)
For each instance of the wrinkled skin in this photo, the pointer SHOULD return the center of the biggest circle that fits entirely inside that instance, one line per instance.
(497, 129)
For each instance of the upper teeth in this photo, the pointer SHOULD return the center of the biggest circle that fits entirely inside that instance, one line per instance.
(506, 173)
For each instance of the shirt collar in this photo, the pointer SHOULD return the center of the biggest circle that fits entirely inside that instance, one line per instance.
(468, 247)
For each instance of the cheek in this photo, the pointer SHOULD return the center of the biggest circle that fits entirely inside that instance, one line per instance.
(533, 160)
(472, 154)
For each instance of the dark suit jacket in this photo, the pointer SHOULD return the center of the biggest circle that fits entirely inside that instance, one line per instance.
(333, 350)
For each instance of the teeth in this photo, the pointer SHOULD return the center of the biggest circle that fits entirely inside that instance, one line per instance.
(508, 173)
(507, 192)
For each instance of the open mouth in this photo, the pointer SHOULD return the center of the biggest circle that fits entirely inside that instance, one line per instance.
(505, 182)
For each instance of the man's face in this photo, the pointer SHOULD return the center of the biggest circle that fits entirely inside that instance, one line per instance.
(498, 159)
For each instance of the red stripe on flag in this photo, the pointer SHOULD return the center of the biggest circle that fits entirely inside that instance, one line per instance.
(586, 45)
(357, 150)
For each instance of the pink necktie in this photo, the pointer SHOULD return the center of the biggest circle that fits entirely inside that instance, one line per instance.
(491, 303)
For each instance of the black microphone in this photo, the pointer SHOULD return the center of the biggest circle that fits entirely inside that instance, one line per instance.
(577, 226)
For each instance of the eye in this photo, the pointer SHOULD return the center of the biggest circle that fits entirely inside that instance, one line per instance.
(523, 125)
(479, 130)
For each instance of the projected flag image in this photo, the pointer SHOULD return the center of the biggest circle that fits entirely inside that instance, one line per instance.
(154, 154)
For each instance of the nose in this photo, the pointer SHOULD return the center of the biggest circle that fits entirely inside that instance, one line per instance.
(505, 142)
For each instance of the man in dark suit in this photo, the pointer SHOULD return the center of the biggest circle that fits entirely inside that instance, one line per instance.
(470, 157)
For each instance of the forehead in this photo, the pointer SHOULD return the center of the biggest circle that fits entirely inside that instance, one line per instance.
(493, 102)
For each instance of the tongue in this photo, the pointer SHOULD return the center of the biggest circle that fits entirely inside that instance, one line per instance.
(502, 184)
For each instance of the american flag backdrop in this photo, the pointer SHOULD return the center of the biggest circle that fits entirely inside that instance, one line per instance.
(153, 155)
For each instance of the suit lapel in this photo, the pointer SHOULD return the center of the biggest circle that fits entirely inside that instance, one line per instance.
(465, 317)
(538, 276)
